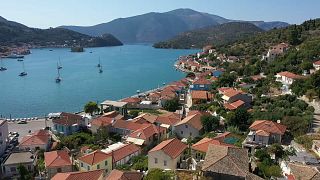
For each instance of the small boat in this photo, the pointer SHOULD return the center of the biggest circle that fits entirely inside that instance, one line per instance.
(14, 56)
(23, 73)
(59, 64)
(58, 79)
(100, 69)
(2, 68)
(20, 60)
(90, 51)
(99, 64)
(50, 50)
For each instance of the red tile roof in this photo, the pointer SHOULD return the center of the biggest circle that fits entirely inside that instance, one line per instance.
(204, 95)
(204, 143)
(172, 147)
(202, 81)
(94, 157)
(124, 175)
(102, 121)
(147, 131)
(57, 158)
(268, 126)
(317, 63)
(132, 100)
(289, 75)
(231, 92)
(125, 151)
(234, 105)
(167, 120)
(262, 133)
(222, 136)
(193, 112)
(88, 175)
(40, 137)
(68, 119)
(128, 125)
(193, 120)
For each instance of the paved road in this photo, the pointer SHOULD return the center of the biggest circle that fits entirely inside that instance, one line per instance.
(23, 129)
(316, 120)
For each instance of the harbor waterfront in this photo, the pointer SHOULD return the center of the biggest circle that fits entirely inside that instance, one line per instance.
(126, 69)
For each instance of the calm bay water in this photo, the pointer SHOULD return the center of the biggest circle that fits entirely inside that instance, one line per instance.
(125, 70)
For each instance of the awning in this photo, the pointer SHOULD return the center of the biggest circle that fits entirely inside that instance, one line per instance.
(165, 126)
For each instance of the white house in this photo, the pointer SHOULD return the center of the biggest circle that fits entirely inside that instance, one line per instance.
(3, 135)
(287, 78)
(316, 65)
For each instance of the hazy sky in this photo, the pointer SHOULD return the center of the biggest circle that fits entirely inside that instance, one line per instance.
(52, 13)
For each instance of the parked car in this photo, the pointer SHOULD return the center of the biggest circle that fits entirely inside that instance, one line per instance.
(22, 122)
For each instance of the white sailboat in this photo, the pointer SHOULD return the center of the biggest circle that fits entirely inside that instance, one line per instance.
(58, 78)
(59, 64)
(99, 64)
(23, 73)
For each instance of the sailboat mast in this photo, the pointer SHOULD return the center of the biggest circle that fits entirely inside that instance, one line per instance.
(23, 67)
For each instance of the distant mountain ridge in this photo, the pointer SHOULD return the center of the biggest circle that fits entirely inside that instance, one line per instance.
(215, 35)
(13, 33)
(153, 27)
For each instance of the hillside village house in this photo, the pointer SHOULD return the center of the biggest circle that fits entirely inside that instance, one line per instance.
(232, 59)
(200, 148)
(122, 153)
(121, 107)
(167, 155)
(95, 161)
(316, 65)
(3, 135)
(67, 123)
(296, 171)
(264, 132)
(287, 78)
(11, 164)
(57, 162)
(190, 126)
(275, 51)
(234, 99)
(201, 84)
(199, 97)
(40, 139)
(147, 135)
(223, 162)
(92, 175)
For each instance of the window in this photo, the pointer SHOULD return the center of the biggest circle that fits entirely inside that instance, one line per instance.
(98, 166)
(186, 125)
(191, 134)
(59, 170)
(81, 164)
(202, 86)
(156, 160)
(0, 133)
(13, 169)
(181, 132)
(106, 163)
(165, 163)
(88, 168)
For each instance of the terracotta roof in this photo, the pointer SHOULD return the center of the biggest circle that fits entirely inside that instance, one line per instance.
(193, 112)
(113, 114)
(289, 75)
(228, 160)
(170, 115)
(132, 100)
(201, 95)
(147, 131)
(67, 119)
(222, 136)
(172, 88)
(172, 147)
(193, 120)
(231, 92)
(124, 151)
(262, 133)
(234, 105)
(167, 94)
(304, 172)
(224, 89)
(256, 77)
(124, 175)
(213, 78)
(94, 157)
(102, 121)
(128, 125)
(202, 81)
(268, 126)
(151, 118)
(40, 137)
(92, 175)
(179, 84)
(204, 143)
(57, 158)
(317, 63)
(167, 120)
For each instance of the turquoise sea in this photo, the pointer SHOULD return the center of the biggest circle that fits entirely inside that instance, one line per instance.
(126, 69)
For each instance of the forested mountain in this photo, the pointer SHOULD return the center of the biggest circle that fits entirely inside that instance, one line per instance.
(217, 35)
(155, 27)
(13, 33)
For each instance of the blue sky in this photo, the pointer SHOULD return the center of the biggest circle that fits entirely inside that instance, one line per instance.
(52, 13)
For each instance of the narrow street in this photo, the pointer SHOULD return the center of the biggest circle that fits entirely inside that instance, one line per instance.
(316, 120)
